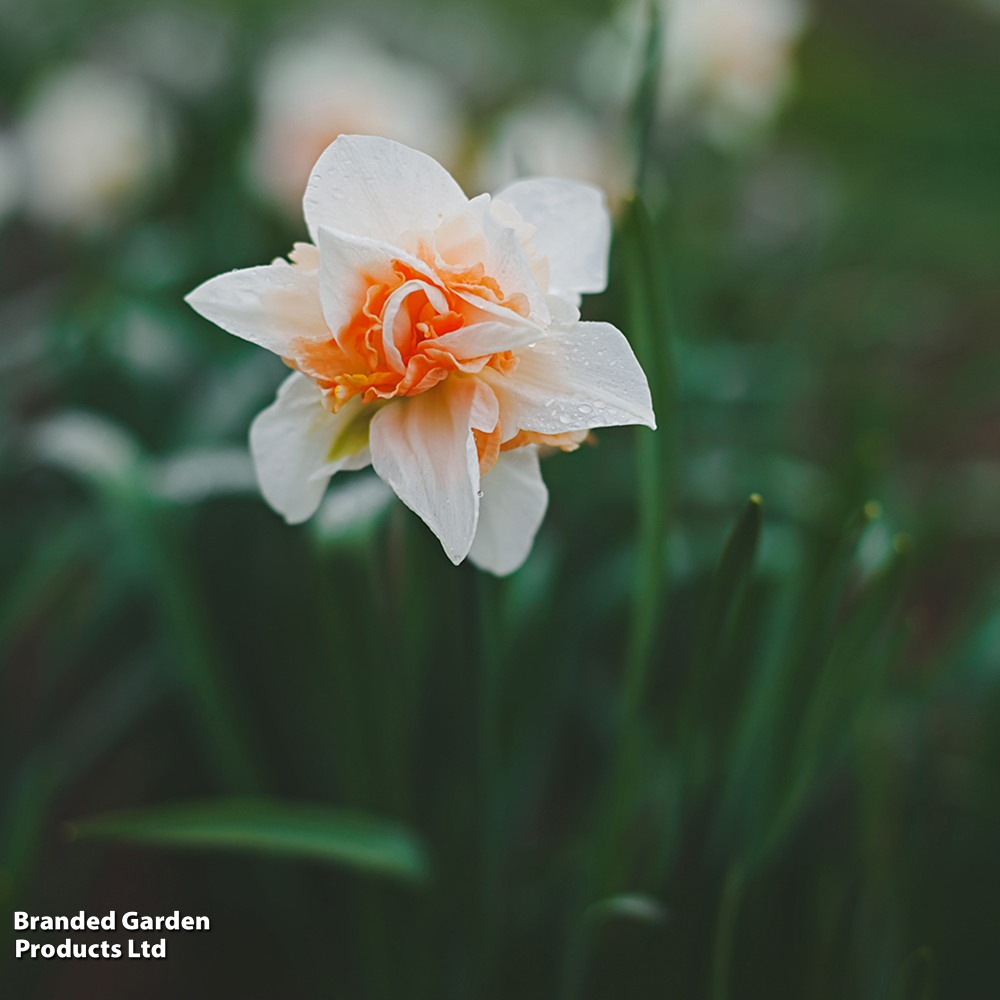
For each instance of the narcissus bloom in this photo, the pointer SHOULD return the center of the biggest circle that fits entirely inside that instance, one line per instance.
(729, 62)
(557, 138)
(337, 81)
(435, 337)
(93, 142)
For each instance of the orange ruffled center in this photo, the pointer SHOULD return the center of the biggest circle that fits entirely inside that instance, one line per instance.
(355, 361)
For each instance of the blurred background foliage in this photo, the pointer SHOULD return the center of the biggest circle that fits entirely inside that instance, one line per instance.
(699, 746)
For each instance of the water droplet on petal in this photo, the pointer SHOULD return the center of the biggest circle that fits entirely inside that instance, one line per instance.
(479, 494)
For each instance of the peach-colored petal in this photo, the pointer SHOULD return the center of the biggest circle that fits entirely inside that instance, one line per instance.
(425, 449)
(569, 441)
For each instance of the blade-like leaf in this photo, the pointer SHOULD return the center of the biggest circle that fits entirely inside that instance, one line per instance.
(915, 979)
(264, 826)
(41, 581)
(842, 660)
(644, 274)
(643, 111)
(731, 572)
(82, 738)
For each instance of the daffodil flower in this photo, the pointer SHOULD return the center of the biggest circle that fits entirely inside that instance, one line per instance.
(335, 82)
(435, 337)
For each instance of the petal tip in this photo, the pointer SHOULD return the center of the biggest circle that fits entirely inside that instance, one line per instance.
(194, 297)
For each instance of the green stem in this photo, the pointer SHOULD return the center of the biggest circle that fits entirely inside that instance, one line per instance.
(641, 263)
(647, 323)
(725, 931)
(648, 329)
(198, 667)
(489, 762)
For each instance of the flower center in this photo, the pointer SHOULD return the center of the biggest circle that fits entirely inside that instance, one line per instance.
(397, 344)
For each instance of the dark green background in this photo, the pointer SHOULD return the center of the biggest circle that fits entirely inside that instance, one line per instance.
(806, 780)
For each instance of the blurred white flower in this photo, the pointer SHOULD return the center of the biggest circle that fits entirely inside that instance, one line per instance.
(732, 56)
(315, 89)
(148, 346)
(93, 143)
(200, 473)
(11, 175)
(553, 137)
(436, 338)
(349, 511)
(87, 444)
(181, 48)
(107, 455)
(730, 62)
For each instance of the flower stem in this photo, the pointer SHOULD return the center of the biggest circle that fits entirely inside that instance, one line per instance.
(649, 331)
(606, 870)
(725, 931)
(490, 656)
(199, 668)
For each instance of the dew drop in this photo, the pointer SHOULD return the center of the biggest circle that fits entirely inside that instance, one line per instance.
(479, 494)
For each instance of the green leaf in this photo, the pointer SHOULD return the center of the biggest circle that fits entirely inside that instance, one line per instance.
(731, 572)
(648, 327)
(799, 635)
(42, 580)
(725, 931)
(644, 275)
(92, 728)
(643, 111)
(268, 827)
(915, 979)
(847, 655)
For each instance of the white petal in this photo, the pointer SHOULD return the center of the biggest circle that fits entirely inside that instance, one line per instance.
(564, 313)
(268, 305)
(574, 230)
(344, 263)
(475, 235)
(423, 447)
(511, 511)
(291, 442)
(368, 186)
(579, 377)
(480, 310)
(480, 339)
